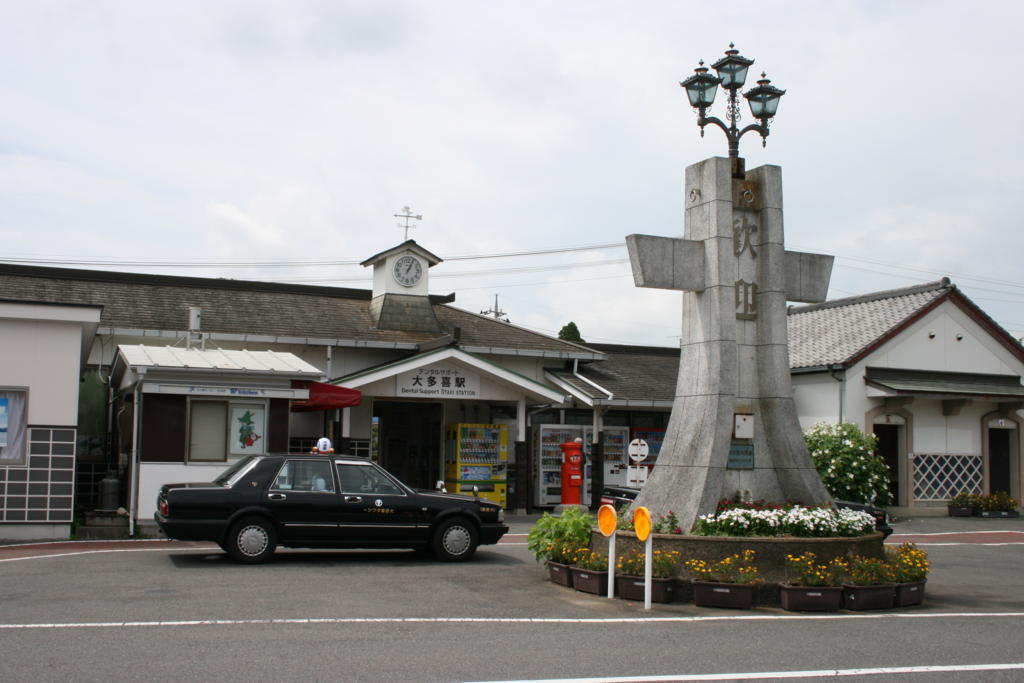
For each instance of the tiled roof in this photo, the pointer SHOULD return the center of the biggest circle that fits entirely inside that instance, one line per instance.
(636, 372)
(838, 331)
(161, 302)
(822, 334)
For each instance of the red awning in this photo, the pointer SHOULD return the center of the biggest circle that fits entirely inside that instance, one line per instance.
(324, 396)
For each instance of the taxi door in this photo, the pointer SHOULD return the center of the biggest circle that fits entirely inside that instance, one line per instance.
(303, 500)
(375, 509)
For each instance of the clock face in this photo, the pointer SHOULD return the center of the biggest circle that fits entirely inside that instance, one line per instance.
(408, 271)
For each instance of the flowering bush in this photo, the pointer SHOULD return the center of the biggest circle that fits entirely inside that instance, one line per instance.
(847, 463)
(737, 568)
(908, 563)
(965, 500)
(805, 570)
(668, 524)
(593, 561)
(552, 537)
(664, 563)
(869, 571)
(1000, 500)
(792, 521)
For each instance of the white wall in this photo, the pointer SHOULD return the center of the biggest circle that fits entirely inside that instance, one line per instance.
(817, 398)
(44, 356)
(931, 344)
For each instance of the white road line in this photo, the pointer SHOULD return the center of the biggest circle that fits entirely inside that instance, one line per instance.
(112, 550)
(503, 620)
(746, 676)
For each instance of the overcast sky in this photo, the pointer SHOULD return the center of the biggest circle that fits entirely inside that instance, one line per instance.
(222, 131)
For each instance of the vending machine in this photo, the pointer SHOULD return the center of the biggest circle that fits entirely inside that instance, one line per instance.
(477, 455)
(614, 442)
(547, 460)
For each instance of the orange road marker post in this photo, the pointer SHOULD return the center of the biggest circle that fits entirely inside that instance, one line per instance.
(642, 525)
(607, 521)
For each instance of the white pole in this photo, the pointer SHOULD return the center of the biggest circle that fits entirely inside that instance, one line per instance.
(611, 565)
(648, 561)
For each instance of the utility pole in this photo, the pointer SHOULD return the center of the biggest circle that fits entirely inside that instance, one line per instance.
(496, 312)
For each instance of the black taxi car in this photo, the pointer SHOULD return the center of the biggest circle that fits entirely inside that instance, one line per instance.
(323, 501)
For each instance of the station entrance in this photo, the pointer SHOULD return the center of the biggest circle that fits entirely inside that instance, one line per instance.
(411, 438)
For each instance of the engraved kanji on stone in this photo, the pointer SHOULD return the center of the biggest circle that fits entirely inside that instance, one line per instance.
(741, 231)
(746, 300)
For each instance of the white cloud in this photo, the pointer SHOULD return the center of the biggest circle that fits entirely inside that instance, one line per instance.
(174, 129)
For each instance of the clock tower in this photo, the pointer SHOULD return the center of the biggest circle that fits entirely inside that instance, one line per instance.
(400, 291)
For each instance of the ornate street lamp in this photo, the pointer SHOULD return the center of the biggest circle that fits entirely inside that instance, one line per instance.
(732, 72)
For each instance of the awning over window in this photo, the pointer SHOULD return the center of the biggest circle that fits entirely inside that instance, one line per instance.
(945, 384)
(324, 396)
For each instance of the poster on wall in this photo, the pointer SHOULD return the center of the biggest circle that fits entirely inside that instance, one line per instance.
(3, 422)
(248, 425)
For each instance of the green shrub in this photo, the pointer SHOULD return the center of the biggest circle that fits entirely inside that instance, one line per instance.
(847, 463)
(559, 536)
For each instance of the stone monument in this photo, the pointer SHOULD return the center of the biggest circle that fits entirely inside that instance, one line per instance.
(733, 428)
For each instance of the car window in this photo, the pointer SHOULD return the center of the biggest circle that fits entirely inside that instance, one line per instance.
(304, 475)
(365, 479)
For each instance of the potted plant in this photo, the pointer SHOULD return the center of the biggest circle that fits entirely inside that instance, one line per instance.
(555, 540)
(590, 571)
(869, 584)
(813, 587)
(909, 566)
(729, 582)
(998, 504)
(962, 504)
(629, 578)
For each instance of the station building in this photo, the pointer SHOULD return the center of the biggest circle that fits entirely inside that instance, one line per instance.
(176, 377)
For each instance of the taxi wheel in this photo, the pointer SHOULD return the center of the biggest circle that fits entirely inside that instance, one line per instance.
(251, 540)
(455, 540)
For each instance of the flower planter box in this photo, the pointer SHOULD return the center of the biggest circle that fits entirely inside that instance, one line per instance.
(1005, 514)
(632, 588)
(559, 573)
(869, 597)
(731, 595)
(960, 510)
(811, 598)
(908, 594)
(589, 581)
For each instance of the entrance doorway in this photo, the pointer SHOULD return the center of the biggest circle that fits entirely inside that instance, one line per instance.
(999, 472)
(888, 447)
(410, 441)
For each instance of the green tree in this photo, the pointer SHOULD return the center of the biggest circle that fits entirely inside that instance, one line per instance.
(570, 332)
(846, 460)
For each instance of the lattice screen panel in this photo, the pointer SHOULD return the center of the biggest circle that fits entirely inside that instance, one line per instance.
(940, 477)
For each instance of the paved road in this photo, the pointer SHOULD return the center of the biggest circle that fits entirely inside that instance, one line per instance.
(158, 609)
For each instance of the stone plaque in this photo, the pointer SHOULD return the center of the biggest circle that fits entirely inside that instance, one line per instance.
(741, 457)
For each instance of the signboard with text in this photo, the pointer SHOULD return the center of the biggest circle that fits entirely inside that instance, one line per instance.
(442, 381)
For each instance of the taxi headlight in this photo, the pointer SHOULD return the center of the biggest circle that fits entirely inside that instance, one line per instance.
(501, 514)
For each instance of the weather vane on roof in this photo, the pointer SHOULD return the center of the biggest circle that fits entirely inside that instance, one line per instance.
(407, 215)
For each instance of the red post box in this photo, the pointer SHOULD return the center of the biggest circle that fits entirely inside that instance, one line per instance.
(572, 472)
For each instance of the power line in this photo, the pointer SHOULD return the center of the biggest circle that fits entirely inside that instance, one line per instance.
(280, 263)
